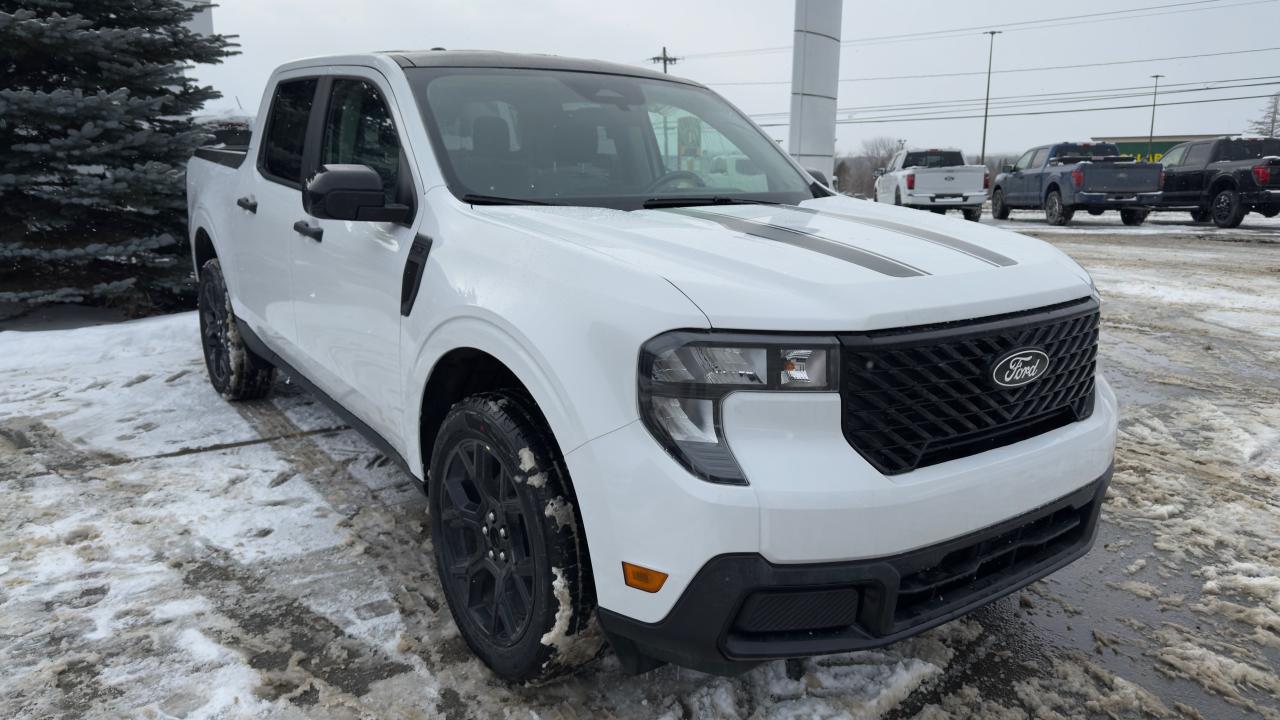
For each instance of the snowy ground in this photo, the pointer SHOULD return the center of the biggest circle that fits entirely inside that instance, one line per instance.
(166, 554)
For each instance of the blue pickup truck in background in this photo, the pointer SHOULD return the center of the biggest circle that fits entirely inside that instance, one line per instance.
(1066, 177)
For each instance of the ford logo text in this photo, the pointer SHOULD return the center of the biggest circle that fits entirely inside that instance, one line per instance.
(1019, 367)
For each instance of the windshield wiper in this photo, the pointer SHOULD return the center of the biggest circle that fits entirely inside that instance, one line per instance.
(477, 199)
(696, 200)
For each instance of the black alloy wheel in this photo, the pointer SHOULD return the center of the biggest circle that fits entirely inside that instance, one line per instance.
(486, 551)
(1228, 211)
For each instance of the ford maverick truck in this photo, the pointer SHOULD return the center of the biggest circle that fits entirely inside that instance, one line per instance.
(706, 417)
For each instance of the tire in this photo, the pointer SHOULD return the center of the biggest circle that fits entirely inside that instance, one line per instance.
(999, 210)
(493, 526)
(1096, 211)
(973, 214)
(939, 211)
(1133, 216)
(1227, 210)
(1270, 213)
(1201, 215)
(235, 371)
(1055, 213)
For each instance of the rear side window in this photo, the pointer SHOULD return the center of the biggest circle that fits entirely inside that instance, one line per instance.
(287, 130)
(1198, 154)
(358, 130)
(1174, 156)
(1041, 156)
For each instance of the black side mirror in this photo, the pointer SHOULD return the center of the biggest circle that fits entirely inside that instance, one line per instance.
(818, 175)
(879, 171)
(1007, 168)
(350, 192)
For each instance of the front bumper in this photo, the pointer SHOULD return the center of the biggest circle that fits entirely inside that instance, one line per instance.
(741, 609)
(1117, 200)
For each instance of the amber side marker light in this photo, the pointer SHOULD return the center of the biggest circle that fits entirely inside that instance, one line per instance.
(642, 578)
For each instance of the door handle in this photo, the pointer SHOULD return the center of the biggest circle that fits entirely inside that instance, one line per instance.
(248, 203)
(314, 232)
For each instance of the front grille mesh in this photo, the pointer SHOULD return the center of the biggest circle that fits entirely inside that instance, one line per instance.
(920, 396)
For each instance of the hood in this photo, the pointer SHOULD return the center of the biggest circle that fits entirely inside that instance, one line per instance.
(828, 265)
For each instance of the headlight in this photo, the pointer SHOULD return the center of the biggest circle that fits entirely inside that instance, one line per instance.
(685, 375)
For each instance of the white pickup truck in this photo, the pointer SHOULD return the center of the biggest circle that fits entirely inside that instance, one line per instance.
(709, 424)
(936, 180)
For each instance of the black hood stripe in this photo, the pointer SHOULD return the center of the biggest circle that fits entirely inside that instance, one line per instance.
(802, 239)
(972, 250)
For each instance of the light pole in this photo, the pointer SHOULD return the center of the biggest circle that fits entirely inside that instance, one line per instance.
(991, 47)
(1155, 93)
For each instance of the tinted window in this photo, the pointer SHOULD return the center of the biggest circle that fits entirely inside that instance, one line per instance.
(1250, 149)
(1041, 156)
(1087, 149)
(933, 158)
(595, 139)
(1174, 156)
(1198, 154)
(287, 129)
(358, 130)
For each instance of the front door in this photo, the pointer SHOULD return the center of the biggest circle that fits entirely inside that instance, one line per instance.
(1015, 183)
(346, 282)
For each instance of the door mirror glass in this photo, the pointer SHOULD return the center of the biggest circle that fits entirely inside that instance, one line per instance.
(820, 176)
(879, 172)
(1008, 168)
(350, 192)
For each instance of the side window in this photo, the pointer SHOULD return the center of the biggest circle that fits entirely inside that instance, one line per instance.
(1024, 162)
(1198, 154)
(287, 129)
(1174, 156)
(358, 130)
(1042, 155)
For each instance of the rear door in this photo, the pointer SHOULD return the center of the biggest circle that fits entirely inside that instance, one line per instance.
(347, 283)
(1175, 180)
(268, 205)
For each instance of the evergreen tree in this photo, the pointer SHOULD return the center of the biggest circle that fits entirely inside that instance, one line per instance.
(1268, 123)
(95, 132)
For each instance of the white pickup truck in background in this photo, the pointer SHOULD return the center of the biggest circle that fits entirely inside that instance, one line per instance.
(936, 180)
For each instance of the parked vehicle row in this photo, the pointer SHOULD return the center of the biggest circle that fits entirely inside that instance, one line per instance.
(1222, 180)
(720, 414)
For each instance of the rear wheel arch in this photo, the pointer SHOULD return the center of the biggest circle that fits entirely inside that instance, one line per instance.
(1224, 182)
(202, 249)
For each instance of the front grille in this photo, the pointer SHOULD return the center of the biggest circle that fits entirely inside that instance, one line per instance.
(970, 571)
(920, 396)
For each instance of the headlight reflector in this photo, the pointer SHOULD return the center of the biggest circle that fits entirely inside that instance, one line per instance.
(685, 375)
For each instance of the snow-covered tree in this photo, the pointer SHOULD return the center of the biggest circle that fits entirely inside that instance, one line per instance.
(95, 131)
(1268, 123)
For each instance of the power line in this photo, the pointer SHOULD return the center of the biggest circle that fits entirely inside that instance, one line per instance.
(1052, 98)
(1040, 112)
(1017, 70)
(1040, 24)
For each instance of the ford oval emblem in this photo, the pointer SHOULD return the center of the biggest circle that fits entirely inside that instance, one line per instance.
(1017, 368)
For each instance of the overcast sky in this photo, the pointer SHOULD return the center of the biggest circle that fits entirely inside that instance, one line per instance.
(274, 31)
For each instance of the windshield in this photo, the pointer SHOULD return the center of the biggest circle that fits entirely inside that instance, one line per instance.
(933, 158)
(1248, 149)
(577, 138)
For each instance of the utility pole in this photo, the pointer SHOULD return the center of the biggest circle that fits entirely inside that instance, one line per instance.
(664, 59)
(1155, 93)
(986, 104)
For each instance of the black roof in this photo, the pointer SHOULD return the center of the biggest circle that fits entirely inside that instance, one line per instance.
(493, 59)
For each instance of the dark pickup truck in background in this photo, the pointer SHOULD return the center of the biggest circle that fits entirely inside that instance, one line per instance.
(1223, 180)
(1066, 177)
